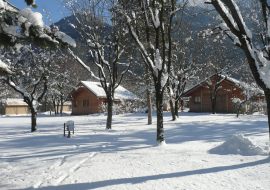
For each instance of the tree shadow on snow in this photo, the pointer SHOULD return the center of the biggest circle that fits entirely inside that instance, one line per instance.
(137, 180)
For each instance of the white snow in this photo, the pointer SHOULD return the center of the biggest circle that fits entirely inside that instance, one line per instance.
(18, 46)
(239, 144)
(5, 67)
(248, 32)
(127, 157)
(120, 93)
(70, 122)
(68, 103)
(155, 18)
(11, 101)
(10, 30)
(2, 6)
(33, 17)
(158, 61)
(197, 2)
(65, 38)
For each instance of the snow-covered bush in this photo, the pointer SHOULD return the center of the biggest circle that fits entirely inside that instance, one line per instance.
(239, 105)
(251, 102)
(122, 107)
(257, 106)
(249, 106)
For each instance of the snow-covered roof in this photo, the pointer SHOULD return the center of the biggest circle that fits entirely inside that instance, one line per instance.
(67, 103)
(233, 80)
(120, 92)
(228, 79)
(15, 102)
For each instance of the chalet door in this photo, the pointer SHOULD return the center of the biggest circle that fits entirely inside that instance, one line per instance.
(221, 105)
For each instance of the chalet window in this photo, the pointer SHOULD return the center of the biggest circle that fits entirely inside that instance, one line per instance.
(75, 103)
(85, 103)
(223, 98)
(197, 99)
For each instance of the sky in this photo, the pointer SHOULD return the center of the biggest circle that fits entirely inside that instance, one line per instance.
(51, 6)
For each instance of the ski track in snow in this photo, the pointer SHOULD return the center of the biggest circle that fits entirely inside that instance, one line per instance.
(63, 168)
(96, 130)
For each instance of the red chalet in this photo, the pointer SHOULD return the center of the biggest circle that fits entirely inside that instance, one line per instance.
(200, 95)
(90, 95)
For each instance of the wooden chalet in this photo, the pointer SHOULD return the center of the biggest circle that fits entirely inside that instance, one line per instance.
(89, 96)
(200, 96)
(14, 107)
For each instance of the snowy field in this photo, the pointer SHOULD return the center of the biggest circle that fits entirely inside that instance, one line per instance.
(126, 156)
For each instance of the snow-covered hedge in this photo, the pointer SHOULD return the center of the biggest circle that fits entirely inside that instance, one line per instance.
(125, 106)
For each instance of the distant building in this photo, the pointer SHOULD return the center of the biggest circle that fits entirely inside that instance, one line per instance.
(89, 96)
(200, 97)
(183, 101)
(49, 106)
(14, 107)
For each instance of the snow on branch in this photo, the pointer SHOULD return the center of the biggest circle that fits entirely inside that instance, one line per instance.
(82, 63)
(26, 25)
(65, 38)
(4, 68)
(155, 18)
(254, 47)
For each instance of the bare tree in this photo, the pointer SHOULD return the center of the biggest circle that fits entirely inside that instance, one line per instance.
(150, 24)
(106, 44)
(31, 78)
(184, 72)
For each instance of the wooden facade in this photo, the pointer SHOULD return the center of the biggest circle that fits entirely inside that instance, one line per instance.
(85, 102)
(14, 107)
(49, 107)
(200, 97)
(89, 96)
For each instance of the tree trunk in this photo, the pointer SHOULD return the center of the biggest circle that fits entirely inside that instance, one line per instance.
(61, 108)
(172, 110)
(239, 107)
(57, 108)
(176, 108)
(159, 104)
(45, 103)
(149, 105)
(213, 106)
(182, 105)
(238, 110)
(267, 97)
(33, 120)
(54, 107)
(110, 109)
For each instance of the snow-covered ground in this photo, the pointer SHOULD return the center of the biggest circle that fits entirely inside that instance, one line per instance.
(126, 156)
